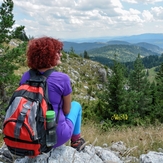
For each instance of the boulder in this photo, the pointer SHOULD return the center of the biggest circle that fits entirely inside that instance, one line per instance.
(67, 154)
(151, 157)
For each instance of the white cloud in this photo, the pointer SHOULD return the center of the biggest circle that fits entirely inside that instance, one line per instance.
(87, 18)
(157, 12)
(92, 4)
(147, 15)
(130, 1)
(151, 1)
(143, 1)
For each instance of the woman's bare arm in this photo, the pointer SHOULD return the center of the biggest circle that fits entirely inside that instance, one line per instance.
(66, 104)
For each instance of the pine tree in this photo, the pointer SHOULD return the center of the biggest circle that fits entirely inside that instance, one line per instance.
(159, 81)
(114, 96)
(86, 54)
(8, 57)
(19, 33)
(154, 114)
(139, 87)
(6, 20)
(116, 88)
(159, 94)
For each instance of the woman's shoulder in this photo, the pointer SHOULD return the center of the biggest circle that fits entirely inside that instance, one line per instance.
(60, 75)
(25, 77)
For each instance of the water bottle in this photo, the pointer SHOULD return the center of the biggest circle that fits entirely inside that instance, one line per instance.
(51, 137)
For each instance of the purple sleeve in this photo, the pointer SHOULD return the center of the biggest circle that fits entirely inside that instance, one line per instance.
(24, 77)
(67, 86)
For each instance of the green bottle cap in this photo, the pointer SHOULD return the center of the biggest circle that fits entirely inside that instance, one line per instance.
(50, 114)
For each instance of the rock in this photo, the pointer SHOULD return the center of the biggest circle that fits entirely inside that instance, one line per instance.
(105, 145)
(6, 156)
(67, 154)
(119, 146)
(160, 150)
(152, 157)
(86, 87)
(102, 74)
(106, 155)
(99, 86)
(1, 50)
(91, 154)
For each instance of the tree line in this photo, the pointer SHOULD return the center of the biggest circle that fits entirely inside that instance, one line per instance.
(148, 62)
(129, 98)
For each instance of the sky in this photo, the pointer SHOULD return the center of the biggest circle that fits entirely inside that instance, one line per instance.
(73, 19)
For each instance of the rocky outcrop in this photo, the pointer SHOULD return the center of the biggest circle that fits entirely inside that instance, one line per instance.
(67, 154)
(103, 74)
(116, 153)
(152, 157)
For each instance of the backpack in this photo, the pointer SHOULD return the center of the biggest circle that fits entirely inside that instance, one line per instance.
(24, 126)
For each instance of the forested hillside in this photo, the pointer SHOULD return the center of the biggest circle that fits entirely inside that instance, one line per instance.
(150, 47)
(148, 62)
(124, 53)
(79, 48)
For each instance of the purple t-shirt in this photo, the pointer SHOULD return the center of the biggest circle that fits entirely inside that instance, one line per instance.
(58, 85)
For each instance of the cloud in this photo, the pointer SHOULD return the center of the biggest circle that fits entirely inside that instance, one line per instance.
(87, 18)
(157, 12)
(154, 14)
(144, 1)
(130, 1)
(147, 15)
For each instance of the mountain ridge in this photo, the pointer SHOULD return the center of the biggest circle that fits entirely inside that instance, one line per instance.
(154, 38)
(151, 39)
(128, 53)
(123, 53)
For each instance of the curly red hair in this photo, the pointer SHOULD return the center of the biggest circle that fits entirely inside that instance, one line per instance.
(41, 52)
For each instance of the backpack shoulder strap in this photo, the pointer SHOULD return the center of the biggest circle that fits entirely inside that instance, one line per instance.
(48, 72)
(34, 72)
(41, 77)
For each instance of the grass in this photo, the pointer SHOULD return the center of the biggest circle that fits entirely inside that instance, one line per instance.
(1, 140)
(138, 140)
(152, 74)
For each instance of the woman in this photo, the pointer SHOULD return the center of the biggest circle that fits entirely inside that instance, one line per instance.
(43, 54)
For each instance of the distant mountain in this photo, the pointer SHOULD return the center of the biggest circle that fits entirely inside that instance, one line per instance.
(126, 48)
(124, 53)
(81, 47)
(140, 40)
(151, 38)
(151, 47)
(117, 42)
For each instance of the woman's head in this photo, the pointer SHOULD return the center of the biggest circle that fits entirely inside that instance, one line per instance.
(43, 52)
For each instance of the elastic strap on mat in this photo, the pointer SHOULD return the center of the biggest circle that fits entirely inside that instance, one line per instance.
(27, 106)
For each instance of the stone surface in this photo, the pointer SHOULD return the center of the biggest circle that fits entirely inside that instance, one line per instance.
(152, 157)
(91, 154)
(66, 154)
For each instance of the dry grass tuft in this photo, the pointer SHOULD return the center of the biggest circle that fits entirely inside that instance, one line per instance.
(138, 140)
